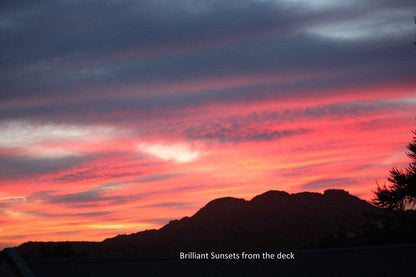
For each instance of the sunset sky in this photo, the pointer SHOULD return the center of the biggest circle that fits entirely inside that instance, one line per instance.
(117, 117)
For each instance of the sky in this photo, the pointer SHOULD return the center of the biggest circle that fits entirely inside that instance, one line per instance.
(119, 116)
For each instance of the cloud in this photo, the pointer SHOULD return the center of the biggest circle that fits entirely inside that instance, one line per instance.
(42, 214)
(92, 198)
(11, 201)
(329, 183)
(353, 74)
(268, 125)
(64, 215)
(15, 166)
(250, 127)
(180, 153)
(85, 172)
(373, 25)
(164, 22)
(180, 205)
(158, 177)
(299, 171)
(19, 133)
(193, 41)
(41, 141)
(317, 5)
(104, 195)
(160, 221)
(224, 134)
(98, 196)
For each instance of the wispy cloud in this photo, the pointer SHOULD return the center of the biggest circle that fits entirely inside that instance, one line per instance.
(94, 197)
(180, 153)
(158, 177)
(37, 140)
(26, 133)
(180, 205)
(329, 183)
(372, 25)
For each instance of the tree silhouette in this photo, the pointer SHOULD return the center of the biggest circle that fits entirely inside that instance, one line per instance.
(401, 192)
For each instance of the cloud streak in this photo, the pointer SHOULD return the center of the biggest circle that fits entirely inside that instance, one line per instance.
(177, 152)
(329, 183)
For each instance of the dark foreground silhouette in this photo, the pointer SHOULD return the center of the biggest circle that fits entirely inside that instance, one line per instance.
(270, 221)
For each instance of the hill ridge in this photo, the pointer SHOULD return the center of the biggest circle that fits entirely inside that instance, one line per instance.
(273, 219)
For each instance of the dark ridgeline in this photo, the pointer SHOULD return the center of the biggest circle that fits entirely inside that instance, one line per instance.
(270, 221)
(273, 220)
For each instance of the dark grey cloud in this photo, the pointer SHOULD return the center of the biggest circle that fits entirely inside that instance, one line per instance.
(329, 183)
(79, 28)
(288, 56)
(60, 215)
(18, 166)
(51, 49)
(88, 27)
(158, 177)
(180, 205)
(225, 134)
(90, 198)
(99, 196)
(92, 172)
(127, 108)
(80, 174)
(70, 168)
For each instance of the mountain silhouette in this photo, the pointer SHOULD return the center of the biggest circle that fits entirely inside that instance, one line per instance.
(272, 220)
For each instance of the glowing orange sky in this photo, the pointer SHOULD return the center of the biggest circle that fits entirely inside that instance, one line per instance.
(103, 136)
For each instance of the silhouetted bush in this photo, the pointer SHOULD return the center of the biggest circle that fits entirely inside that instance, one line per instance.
(401, 193)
